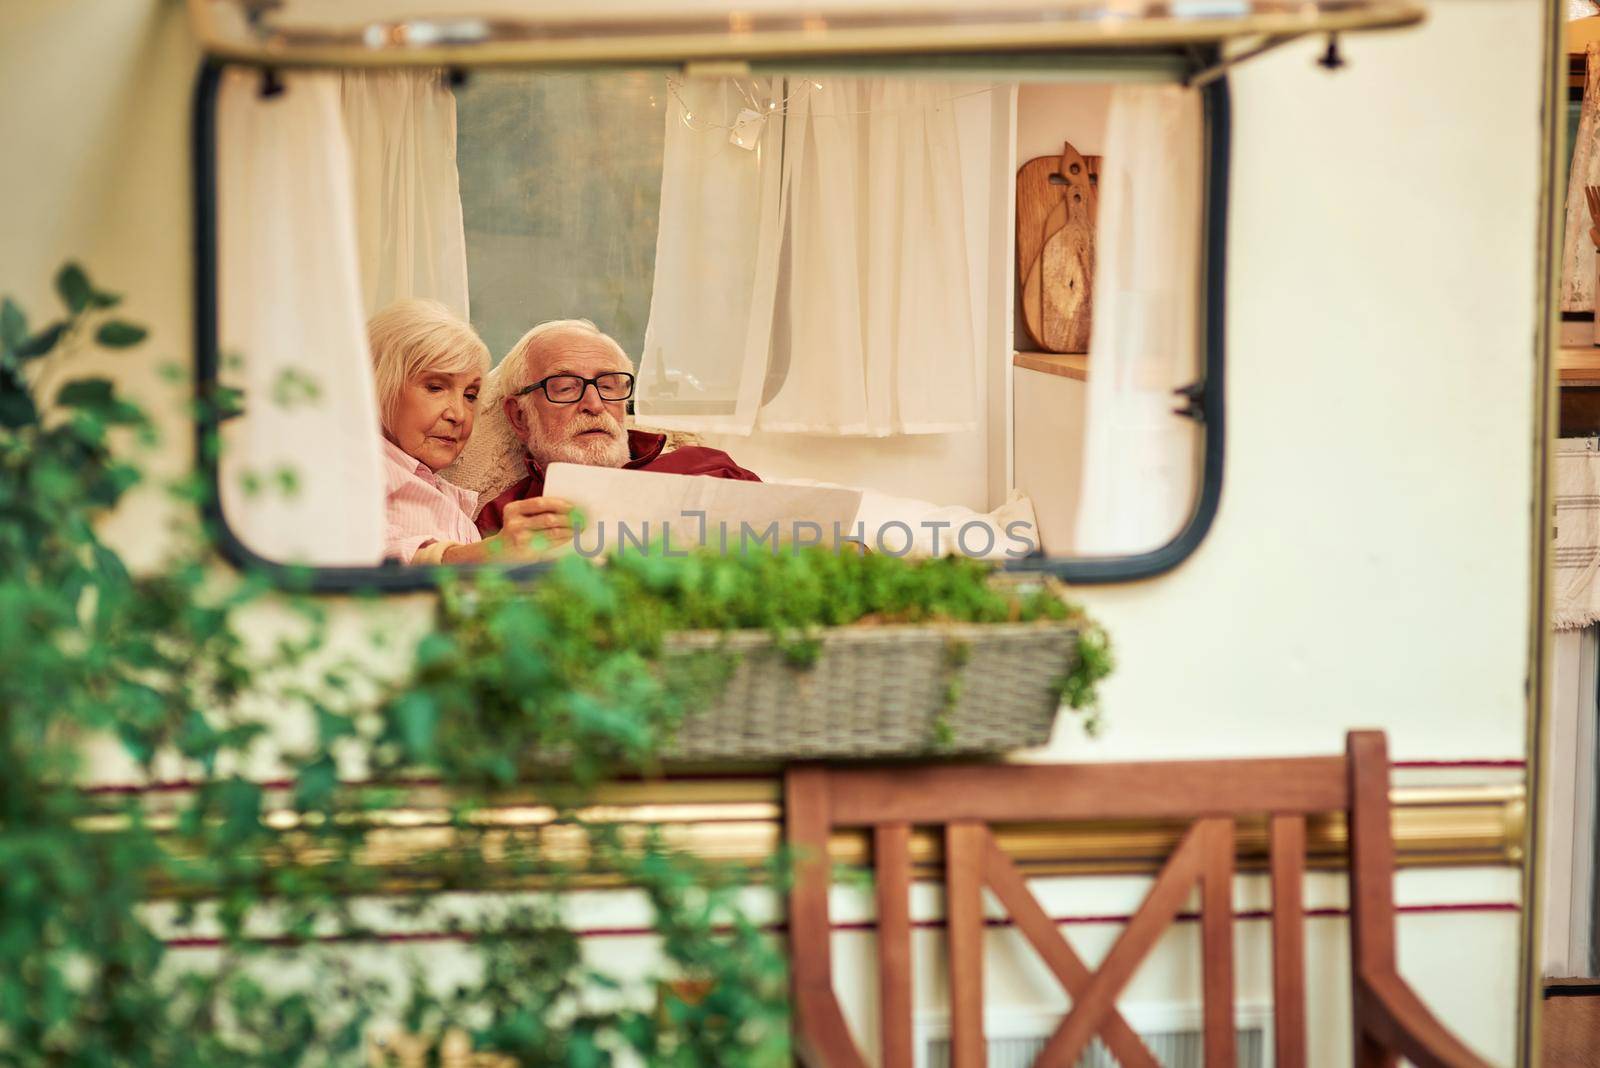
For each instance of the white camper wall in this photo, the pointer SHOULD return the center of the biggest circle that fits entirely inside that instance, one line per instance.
(1369, 565)
(95, 128)
(1370, 562)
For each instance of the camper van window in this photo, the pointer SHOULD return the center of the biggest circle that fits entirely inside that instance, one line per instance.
(528, 313)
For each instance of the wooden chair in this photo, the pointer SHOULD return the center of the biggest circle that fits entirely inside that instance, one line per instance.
(964, 800)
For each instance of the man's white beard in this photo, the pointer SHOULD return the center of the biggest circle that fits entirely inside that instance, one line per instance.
(595, 451)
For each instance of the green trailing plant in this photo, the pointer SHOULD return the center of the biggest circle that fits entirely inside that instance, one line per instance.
(956, 655)
(1080, 687)
(564, 680)
(574, 667)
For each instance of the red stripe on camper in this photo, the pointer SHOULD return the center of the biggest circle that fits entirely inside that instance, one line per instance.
(403, 937)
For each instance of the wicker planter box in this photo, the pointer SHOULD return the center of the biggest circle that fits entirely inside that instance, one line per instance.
(881, 691)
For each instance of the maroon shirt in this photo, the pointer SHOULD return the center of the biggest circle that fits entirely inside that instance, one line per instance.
(645, 449)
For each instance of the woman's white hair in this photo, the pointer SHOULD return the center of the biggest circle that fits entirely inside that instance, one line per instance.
(537, 341)
(412, 336)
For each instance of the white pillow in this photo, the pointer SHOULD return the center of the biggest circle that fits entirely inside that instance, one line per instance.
(888, 523)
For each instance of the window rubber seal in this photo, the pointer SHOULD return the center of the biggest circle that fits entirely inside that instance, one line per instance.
(392, 577)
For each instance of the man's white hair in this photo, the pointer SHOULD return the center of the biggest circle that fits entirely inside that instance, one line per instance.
(542, 341)
(493, 458)
(412, 336)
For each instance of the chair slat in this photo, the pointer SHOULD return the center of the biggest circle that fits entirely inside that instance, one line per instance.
(1371, 854)
(1405, 1026)
(822, 1038)
(963, 888)
(1177, 789)
(806, 830)
(1040, 931)
(892, 865)
(1216, 940)
(1288, 861)
(1371, 885)
(1155, 915)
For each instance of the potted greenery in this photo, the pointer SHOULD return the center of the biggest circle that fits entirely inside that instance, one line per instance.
(758, 658)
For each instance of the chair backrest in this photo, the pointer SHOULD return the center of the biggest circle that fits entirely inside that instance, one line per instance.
(967, 800)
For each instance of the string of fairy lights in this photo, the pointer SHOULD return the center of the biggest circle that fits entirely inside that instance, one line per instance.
(755, 105)
(757, 110)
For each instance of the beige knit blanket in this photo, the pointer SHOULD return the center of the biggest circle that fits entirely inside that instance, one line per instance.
(1575, 591)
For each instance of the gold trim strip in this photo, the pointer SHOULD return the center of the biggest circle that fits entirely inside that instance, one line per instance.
(416, 846)
(1546, 419)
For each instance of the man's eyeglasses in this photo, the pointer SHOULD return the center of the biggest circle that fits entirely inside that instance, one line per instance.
(568, 389)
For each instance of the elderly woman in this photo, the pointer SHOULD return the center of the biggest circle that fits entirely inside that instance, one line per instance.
(429, 366)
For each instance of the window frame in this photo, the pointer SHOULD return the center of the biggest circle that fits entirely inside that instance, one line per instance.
(392, 577)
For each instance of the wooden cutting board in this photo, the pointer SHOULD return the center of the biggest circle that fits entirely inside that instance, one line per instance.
(1057, 204)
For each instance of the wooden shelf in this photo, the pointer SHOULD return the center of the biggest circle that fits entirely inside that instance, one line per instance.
(1579, 367)
(1065, 364)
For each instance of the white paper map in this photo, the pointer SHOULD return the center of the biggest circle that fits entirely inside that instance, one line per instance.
(632, 509)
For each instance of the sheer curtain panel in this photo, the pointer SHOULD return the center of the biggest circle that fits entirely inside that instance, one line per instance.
(300, 474)
(401, 126)
(1138, 457)
(832, 297)
(708, 341)
(876, 303)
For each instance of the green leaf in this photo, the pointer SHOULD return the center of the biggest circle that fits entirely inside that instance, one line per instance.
(13, 325)
(224, 403)
(86, 393)
(135, 741)
(332, 726)
(435, 648)
(294, 388)
(16, 402)
(241, 807)
(417, 718)
(74, 287)
(197, 737)
(110, 565)
(582, 1051)
(41, 343)
(316, 784)
(118, 334)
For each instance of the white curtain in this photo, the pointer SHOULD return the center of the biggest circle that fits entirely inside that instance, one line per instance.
(831, 297)
(300, 473)
(1139, 459)
(401, 126)
(709, 336)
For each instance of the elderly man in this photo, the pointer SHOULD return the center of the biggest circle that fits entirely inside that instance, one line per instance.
(566, 389)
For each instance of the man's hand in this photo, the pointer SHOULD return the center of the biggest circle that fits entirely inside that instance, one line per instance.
(538, 521)
(529, 530)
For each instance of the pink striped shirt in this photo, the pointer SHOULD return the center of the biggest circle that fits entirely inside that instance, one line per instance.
(423, 510)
